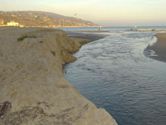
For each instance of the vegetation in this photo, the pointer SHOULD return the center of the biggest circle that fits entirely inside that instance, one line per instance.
(24, 37)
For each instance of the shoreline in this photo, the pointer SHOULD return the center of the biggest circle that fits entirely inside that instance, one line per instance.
(159, 48)
(90, 36)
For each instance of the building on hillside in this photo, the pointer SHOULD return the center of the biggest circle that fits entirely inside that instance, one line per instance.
(1, 22)
(12, 23)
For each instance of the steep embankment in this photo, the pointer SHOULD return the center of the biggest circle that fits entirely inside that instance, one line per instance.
(32, 85)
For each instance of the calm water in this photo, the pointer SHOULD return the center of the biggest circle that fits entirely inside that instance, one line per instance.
(114, 74)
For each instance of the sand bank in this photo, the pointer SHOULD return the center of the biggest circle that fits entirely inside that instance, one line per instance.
(159, 47)
(90, 36)
(32, 85)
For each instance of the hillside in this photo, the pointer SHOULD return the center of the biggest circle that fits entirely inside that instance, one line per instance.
(39, 18)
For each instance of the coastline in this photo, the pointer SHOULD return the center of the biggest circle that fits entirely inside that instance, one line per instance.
(159, 47)
(32, 80)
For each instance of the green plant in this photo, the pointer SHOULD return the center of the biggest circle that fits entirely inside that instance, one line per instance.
(25, 37)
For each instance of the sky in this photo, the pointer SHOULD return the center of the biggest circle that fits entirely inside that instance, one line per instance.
(103, 12)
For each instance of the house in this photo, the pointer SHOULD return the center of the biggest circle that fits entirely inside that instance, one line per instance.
(12, 23)
(1, 22)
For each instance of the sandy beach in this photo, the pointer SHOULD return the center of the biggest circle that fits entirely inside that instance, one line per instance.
(159, 47)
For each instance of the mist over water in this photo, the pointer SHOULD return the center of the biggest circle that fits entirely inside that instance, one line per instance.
(114, 73)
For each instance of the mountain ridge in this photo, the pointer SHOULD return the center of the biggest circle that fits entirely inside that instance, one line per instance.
(41, 18)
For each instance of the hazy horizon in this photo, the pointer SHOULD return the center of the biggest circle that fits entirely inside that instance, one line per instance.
(103, 12)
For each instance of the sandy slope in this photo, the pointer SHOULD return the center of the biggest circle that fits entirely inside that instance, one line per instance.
(33, 90)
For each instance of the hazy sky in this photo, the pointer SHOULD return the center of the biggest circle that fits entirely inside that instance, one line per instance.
(106, 12)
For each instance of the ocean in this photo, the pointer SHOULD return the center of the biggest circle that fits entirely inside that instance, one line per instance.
(115, 74)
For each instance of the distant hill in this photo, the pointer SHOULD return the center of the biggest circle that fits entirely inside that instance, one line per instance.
(39, 18)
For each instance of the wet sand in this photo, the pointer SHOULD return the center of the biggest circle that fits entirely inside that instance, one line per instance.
(159, 47)
(88, 36)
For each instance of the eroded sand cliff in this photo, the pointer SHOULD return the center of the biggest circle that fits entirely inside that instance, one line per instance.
(33, 90)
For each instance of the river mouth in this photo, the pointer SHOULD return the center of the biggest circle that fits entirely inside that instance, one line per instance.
(114, 73)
